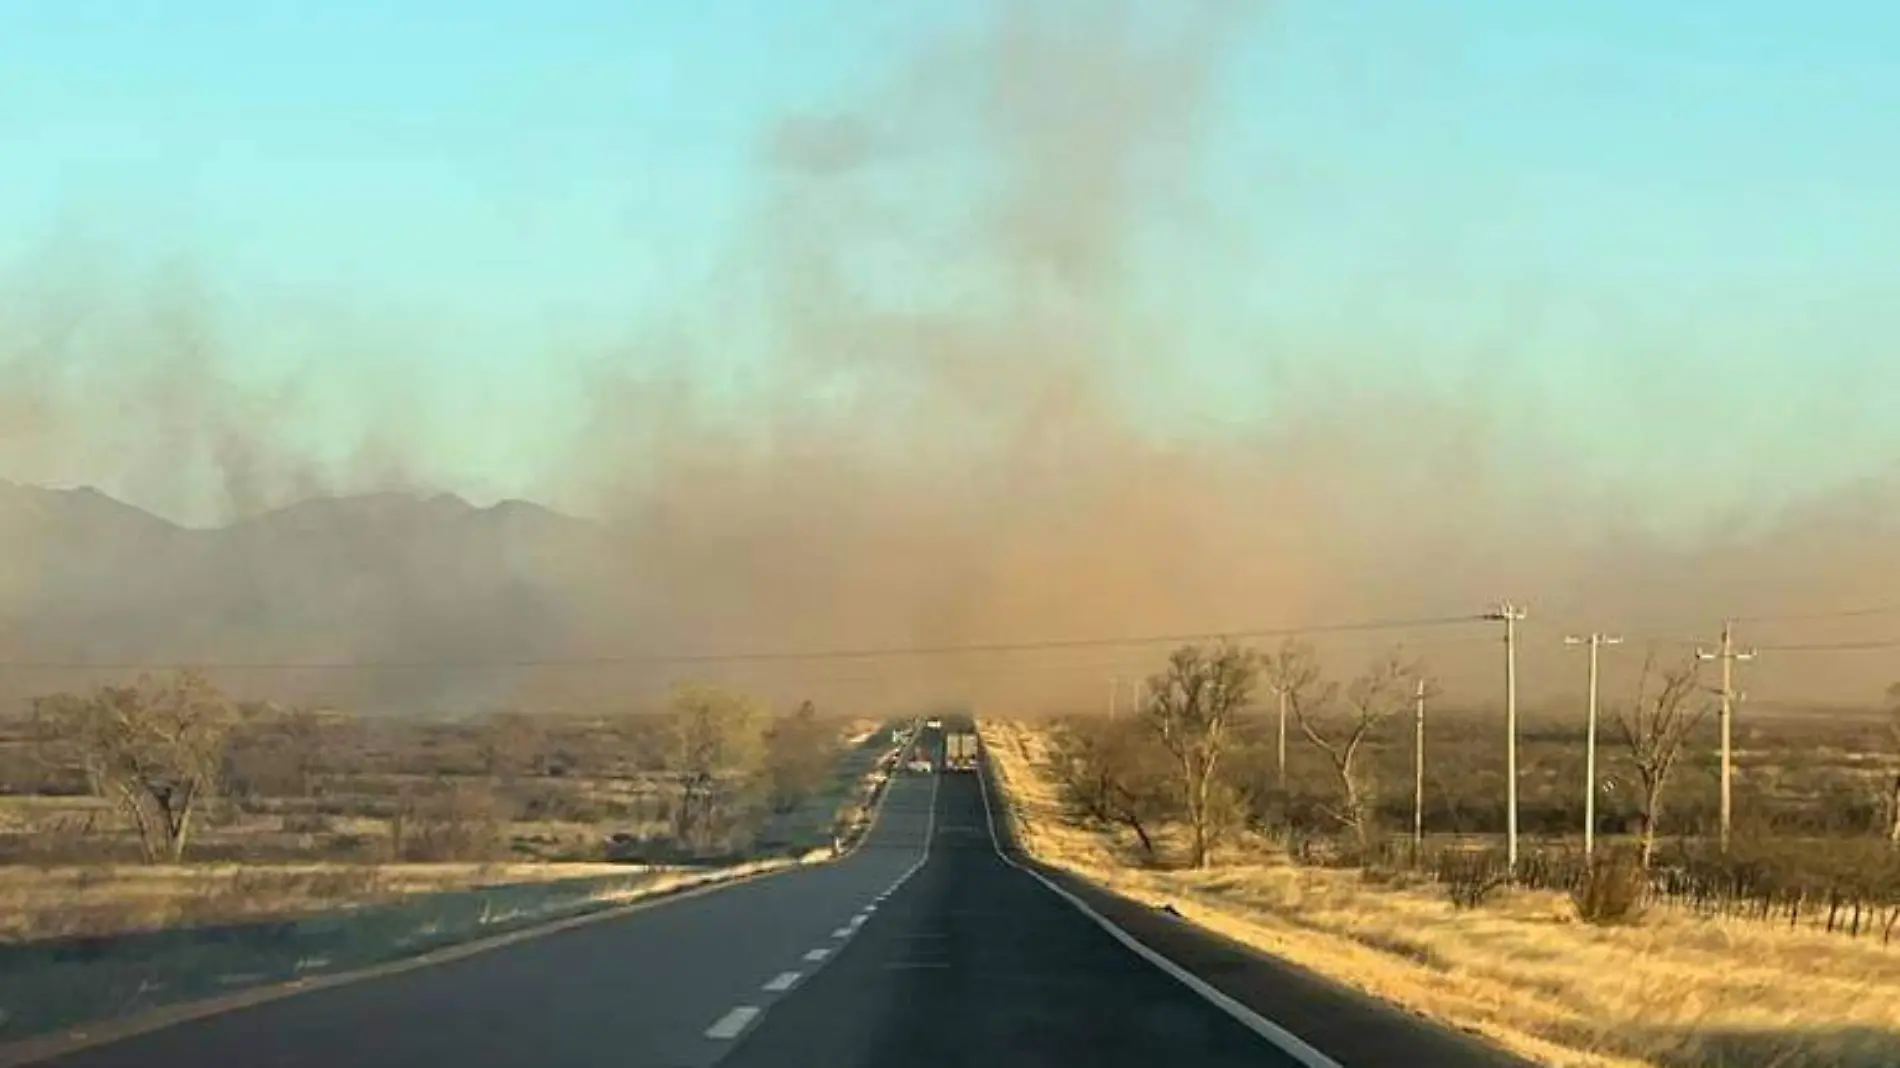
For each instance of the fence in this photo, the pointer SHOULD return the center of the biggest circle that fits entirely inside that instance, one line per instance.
(1854, 898)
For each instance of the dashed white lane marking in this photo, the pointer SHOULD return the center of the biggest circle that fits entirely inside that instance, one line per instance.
(729, 1025)
(732, 1023)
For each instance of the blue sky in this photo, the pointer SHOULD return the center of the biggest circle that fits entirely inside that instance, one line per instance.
(1637, 228)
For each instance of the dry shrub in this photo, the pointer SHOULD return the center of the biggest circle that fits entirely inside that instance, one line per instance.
(1389, 877)
(457, 824)
(306, 823)
(1613, 891)
(1470, 881)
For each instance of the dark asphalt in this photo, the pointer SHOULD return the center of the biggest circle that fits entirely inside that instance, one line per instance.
(1352, 1029)
(636, 991)
(970, 959)
(976, 963)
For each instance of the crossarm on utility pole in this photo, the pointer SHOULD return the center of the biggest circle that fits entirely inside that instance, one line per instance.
(1728, 656)
(1596, 642)
(1510, 614)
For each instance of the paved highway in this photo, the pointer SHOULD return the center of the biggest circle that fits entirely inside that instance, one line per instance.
(668, 986)
(982, 959)
(930, 945)
(974, 962)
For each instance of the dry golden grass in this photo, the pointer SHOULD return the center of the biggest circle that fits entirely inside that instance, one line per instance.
(57, 898)
(40, 903)
(1676, 991)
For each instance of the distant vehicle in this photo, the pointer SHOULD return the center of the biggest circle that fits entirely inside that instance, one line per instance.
(922, 766)
(959, 751)
(934, 723)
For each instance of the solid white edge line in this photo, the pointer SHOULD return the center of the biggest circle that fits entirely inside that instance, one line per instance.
(729, 1025)
(930, 827)
(781, 982)
(1285, 1040)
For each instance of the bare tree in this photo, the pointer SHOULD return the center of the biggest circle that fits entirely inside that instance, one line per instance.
(512, 744)
(1189, 707)
(1113, 773)
(717, 738)
(278, 751)
(1386, 689)
(1893, 788)
(457, 823)
(1294, 675)
(798, 752)
(154, 748)
(1654, 723)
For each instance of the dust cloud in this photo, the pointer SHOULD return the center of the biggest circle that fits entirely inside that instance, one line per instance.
(969, 464)
(924, 413)
(122, 369)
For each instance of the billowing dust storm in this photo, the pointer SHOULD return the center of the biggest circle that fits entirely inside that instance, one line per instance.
(940, 432)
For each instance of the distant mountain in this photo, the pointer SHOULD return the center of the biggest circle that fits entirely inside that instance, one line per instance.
(430, 582)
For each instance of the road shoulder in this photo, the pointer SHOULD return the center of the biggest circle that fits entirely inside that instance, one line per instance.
(1352, 1028)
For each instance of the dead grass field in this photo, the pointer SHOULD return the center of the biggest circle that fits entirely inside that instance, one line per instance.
(279, 857)
(574, 786)
(1674, 992)
(56, 831)
(37, 903)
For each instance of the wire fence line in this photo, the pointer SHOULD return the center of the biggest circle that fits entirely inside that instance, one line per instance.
(1854, 896)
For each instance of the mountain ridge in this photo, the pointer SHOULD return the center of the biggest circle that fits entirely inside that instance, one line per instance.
(366, 578)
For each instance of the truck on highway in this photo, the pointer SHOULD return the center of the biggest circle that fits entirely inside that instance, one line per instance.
(959, 751)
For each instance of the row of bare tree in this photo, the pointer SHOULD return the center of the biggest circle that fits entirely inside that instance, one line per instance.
(1168, 763)
(161, 750)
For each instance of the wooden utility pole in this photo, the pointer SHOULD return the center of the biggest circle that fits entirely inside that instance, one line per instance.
(1728, 656)
(1418, 773)
(1282, 740)
(1510, 615)
(1596, 642)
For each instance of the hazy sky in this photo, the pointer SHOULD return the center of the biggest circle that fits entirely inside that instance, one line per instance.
(1657, 238)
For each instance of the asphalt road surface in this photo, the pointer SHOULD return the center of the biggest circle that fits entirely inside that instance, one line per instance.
(984, 960)
(976, 963)
(664, 986)
(931, 945)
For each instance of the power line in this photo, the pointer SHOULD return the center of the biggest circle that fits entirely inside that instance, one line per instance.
(1565, 628)
(775, 656)
(1845, 613)
(1634, 626)
(916, 651)
(1818, 647)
